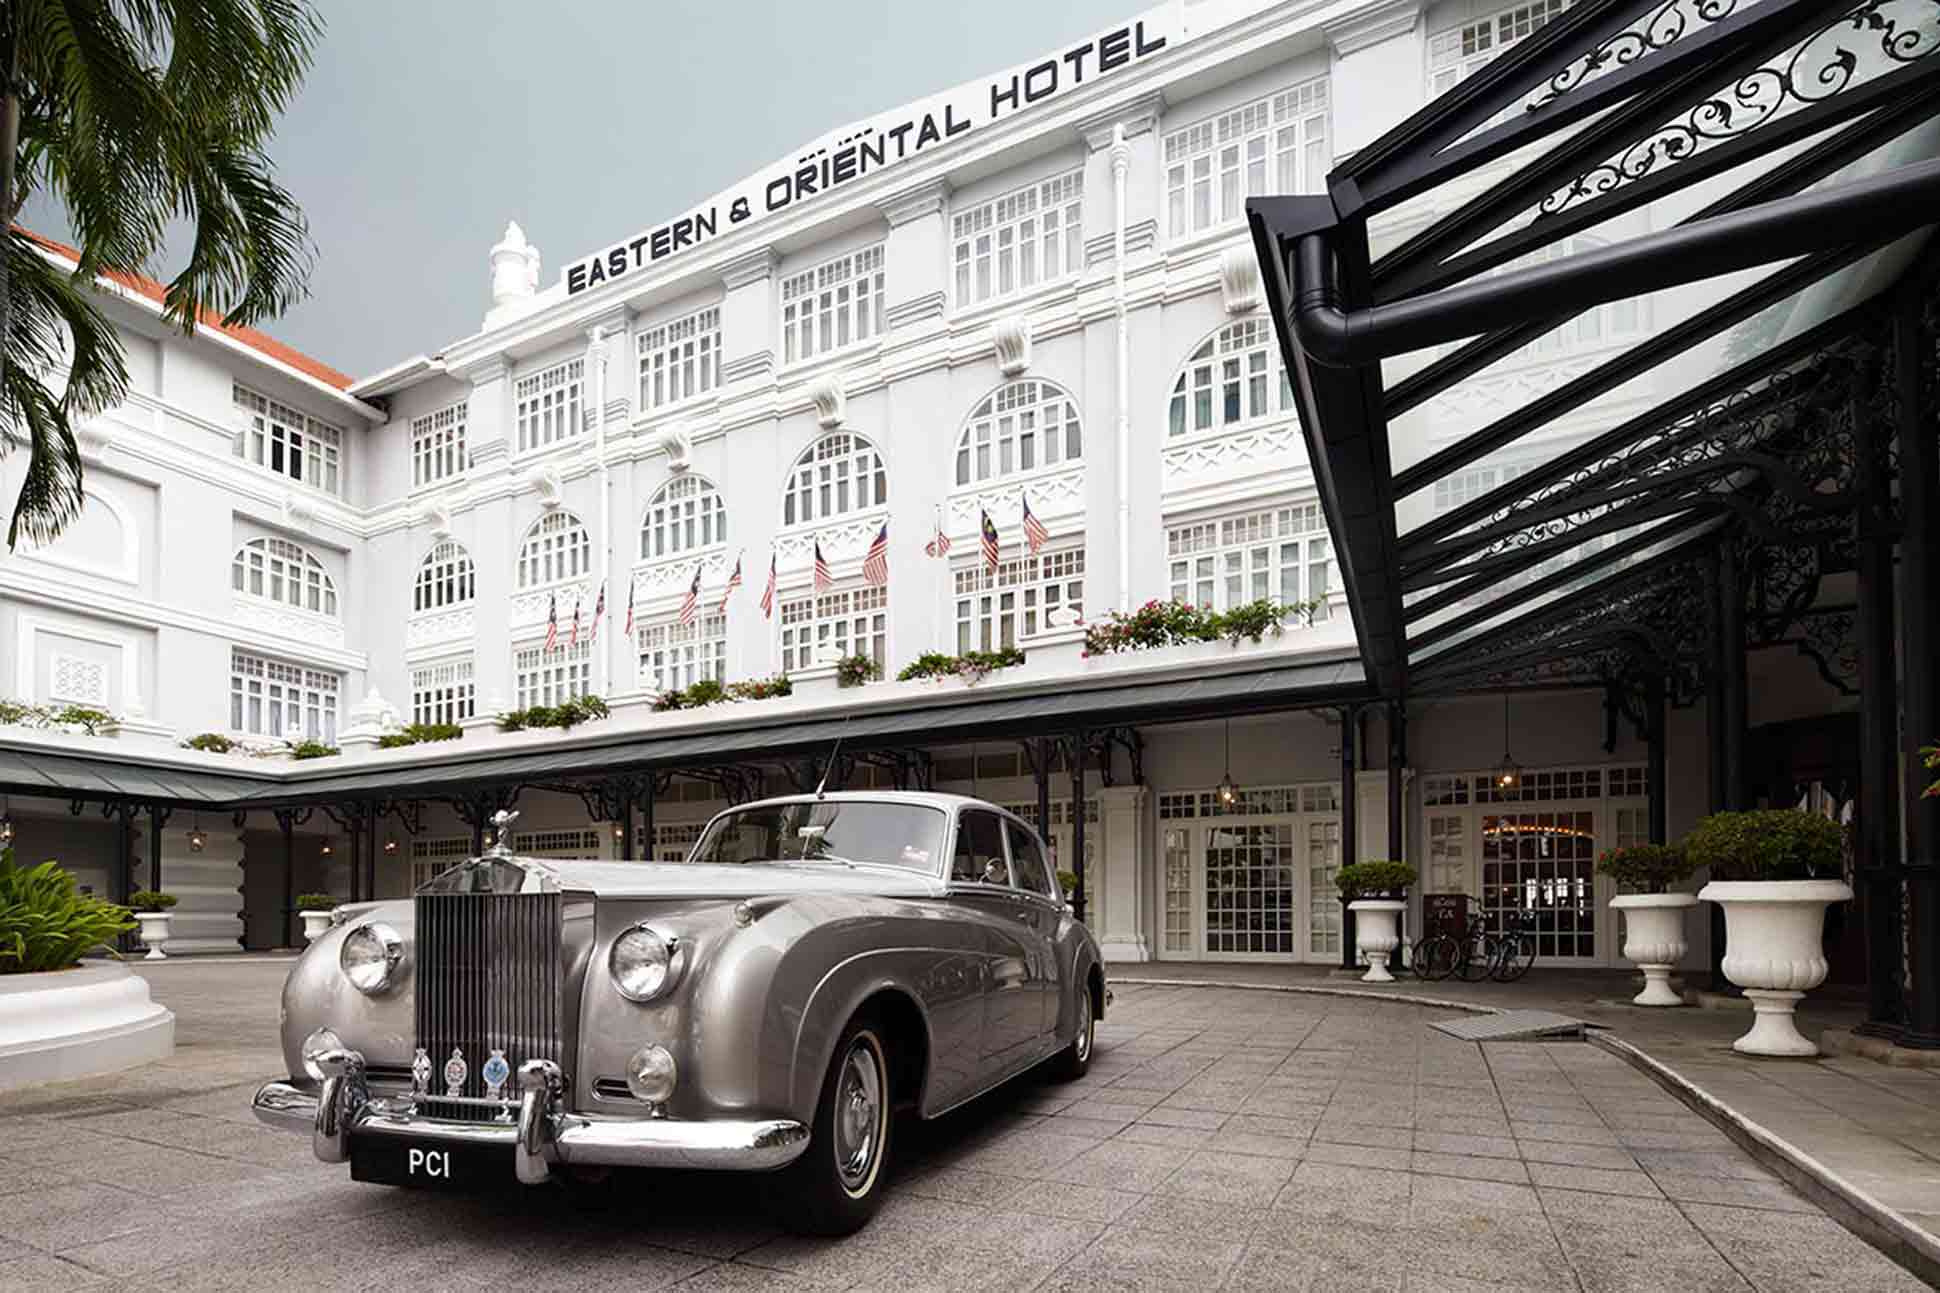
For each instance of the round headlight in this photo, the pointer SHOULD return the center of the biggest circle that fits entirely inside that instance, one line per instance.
(369, 956)
(642, 963)
(316, 1044)
(651, 1074)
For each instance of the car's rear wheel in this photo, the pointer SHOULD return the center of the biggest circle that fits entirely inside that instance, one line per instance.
(836, 1185)
(1069, 1064)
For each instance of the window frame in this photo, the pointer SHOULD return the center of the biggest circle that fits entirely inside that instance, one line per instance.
(703, 507)
(842, 295)
(444, 699)
(1237, 367)
(695, 651)
(977, 604)
(1217, 550)
(1214, 162)
(549, 406)
(290, 564)
(1010, 431)
(287, 441)
(542, 677)
(438, 446)
(446, 579)
(280, 682)
(1007, 236)
(537, 549)
(683, 352)
(1459, 51)
(833, 618)
(808, 479)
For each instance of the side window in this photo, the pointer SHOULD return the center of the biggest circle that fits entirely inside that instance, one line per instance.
(1027, 870)
(980, 849)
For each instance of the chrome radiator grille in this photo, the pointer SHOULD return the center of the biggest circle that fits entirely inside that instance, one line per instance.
(488, 978)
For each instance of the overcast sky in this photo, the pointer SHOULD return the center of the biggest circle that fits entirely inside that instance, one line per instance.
(427, 124)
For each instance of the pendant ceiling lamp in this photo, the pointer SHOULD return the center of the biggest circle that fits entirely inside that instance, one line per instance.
(1228, 789)
(197, 840)
(1508, 773)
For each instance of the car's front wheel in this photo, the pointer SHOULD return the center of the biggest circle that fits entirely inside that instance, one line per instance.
(1069, 1064)
(836, 1185)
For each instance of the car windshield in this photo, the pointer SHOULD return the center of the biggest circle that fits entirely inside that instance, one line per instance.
(834, 831)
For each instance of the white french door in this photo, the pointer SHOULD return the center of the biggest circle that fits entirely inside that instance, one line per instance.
(1243, 884)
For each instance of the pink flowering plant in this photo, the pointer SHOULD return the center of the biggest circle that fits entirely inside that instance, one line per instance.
(1171, 623)
(971, 666)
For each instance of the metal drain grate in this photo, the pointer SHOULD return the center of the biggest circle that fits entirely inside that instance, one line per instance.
(1512, 1024)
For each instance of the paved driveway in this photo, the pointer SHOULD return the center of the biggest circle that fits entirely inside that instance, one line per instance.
(1224, 1138)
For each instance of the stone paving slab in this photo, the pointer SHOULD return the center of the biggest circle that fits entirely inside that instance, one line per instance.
(1223, 1139)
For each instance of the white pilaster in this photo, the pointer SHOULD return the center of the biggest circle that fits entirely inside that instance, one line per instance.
(1128, 873)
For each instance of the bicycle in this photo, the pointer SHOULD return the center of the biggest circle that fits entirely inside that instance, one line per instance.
(1479, 953)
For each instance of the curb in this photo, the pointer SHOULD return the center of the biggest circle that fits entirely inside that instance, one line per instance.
(1366, 994)
(1882, 1227)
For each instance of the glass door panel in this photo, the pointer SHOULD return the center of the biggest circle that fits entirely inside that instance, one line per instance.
(1448, 854)
(1250, 889)
(1323, 899)
(1178, 892)
(1543, 863)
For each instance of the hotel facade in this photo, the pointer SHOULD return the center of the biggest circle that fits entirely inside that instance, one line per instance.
(1034, 291)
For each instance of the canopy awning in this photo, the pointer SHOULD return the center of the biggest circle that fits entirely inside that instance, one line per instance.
(1615, 294)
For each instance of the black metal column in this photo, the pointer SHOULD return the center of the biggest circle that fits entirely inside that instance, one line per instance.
(1397, 760)
(1654, 769)
(356, 833)
(1350, 718)
(1731, 620)
(1919, 643)
(646, 819)
(1877, 843)
(124, 880)
(1077, 759)
(286, 821)
(370, 864)
(478, 832)
(157, 818)
(1041, 770)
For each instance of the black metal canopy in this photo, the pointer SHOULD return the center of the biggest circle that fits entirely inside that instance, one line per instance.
(1608, 304)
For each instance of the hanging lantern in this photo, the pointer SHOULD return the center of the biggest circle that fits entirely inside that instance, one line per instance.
(1508, 773)
(390, 847)
(6, 830)
(327, 848)
(197, 840)
(1228, 788)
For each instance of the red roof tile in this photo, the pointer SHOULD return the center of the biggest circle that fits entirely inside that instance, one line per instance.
(257, 341)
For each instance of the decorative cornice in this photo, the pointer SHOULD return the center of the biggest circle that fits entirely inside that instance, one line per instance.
(1138, 115)
(915, 202)
(750, 268)
(917, 309)
(755, 364)
(617, 321)
(1372, 25)
(492, 367)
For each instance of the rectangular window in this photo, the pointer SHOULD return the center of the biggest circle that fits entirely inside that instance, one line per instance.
(274, 698)
(675, 656)
(442, 691)
(542, 677)
(827, 628)
(290, 443)
(1013, 243)
(837, 303)
(438, 445)
(1466, 486)
(1020, 600)
(1278, 144)
(548, 405)
(680, 360)
(1459, 53)
(1283, 554)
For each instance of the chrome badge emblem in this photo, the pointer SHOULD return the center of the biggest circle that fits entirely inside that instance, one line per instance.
(421, 1073)
(495, 1072)
(456, 1071)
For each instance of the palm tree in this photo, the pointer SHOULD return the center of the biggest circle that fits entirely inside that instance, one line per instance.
(136, 116)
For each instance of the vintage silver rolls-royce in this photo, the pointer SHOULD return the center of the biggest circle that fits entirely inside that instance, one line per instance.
(818, 962)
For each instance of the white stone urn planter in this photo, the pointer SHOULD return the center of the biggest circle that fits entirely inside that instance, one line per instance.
(1774, 951)
(315, 924)
(154, 932)
(1653, 939)
(1377, 933)
(93, 1018)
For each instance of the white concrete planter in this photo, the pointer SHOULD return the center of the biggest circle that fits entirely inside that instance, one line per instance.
(1773, 950)
(1653, 938)
(315, 925)
(154, 932)
(1377, 934)
(95, 1018)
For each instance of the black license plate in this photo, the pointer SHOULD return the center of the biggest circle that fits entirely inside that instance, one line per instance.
(436, 1165)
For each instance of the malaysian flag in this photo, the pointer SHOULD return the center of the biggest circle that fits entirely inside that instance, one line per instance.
(629, 608)
(734, 582)
(574, 640)
(822, 576)
(875, 565)
(768, 593)
(939, 544)
(1035, 534)
(989, 542)
(599, 612)
(693, 597)
(552, 623)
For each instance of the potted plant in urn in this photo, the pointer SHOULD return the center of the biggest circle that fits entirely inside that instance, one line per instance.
(1377, 894)
(151, 913)
(1653, 915)
(1774, 872)
(315, 908)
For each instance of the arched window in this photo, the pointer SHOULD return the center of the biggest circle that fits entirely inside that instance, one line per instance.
(444, 578)
(555, 549)
(1233, 378)
(838, 474)
(1019, 427)
(282, 572)
(687, 515)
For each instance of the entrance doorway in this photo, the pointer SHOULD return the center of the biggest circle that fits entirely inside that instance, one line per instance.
(1253, 880)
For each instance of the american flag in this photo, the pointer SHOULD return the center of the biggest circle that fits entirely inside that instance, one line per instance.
(552, 623)
(822, 576)
(599, 612)
(989, 542)
(1035, 534)
(693, 597)
(574, 640)
(734, 582)
(875, 564)
(939, 544)
(629, 608)
(768, 593)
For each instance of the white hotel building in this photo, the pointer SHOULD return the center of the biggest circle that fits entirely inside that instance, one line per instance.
(1059, 304)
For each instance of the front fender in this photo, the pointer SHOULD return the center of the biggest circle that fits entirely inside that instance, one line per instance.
(317, 995)
(835, 1001)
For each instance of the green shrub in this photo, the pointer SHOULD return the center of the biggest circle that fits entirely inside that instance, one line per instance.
(1767, 844)
(308, 749)
(1374, 879)
(1645, 868)
(210, 743)
(46, 923)
(761, 688)
(18, 713)
(419, 734)
(1160, 624)
(566, 714)
(971, 666)
(1067, 881)
(149, 900)
(855, 670)
(316, 902)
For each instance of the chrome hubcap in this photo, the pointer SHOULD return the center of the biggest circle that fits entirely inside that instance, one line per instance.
(858, 1115)
(1084, 1024)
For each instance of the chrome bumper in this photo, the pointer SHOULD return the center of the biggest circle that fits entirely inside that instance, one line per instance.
(545, 1134)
